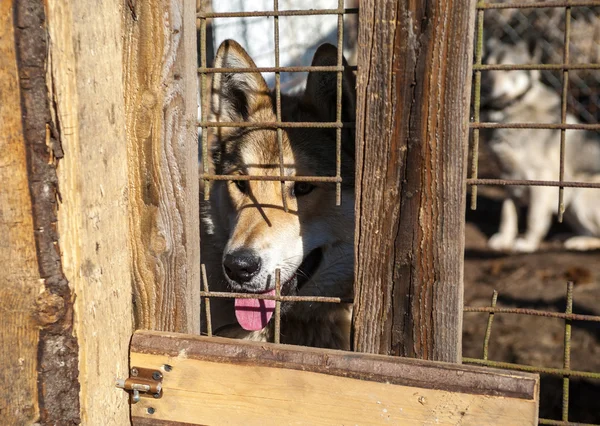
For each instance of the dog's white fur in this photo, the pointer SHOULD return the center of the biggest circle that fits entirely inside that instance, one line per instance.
(534, 154)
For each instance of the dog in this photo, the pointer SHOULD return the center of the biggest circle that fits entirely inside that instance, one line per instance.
(247, 233)
(533, 154)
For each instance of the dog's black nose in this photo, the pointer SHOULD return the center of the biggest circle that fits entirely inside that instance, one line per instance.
(241, 265)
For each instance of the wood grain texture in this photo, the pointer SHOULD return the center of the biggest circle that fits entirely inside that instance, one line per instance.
(161, 108)
(19, 276)
(58, 348)
(85, 76)
(219, 381)
(412, 124)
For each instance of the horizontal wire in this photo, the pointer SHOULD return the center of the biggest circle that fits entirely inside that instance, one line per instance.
(533, 369)
(307, 68)
(563, 423)
(258, 14)
(517, 182)
(536, 5)
(547, 126)
(533, 312)
(282, 125)
(258, 296)
(527, 67)
(325, 179)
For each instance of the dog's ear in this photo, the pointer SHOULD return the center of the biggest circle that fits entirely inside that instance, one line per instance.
(321, 91)
(235, 96)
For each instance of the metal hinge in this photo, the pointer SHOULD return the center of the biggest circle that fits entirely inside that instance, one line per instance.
(142, 382)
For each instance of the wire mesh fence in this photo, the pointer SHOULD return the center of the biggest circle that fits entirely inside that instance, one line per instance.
(563, 44)
(275, 12)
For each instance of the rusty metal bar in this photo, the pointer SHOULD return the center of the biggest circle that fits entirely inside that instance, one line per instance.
(258, 296)
(267, 13)
(476, 107)
(504, 182)
(533, 369)
(567, 353)
(277, 336)
(278, 105)
(282, 125)
(276, 68)
(551, 126)
(532, 67)
(536, 5)
(561, 423)
(324, 179)
(533, 312)
(206, 300)
(338, 106)
(563, 114)
(488, 329)
(204, 107)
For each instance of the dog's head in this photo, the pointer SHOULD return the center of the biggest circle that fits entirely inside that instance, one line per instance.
(499, 88)
(309, 242)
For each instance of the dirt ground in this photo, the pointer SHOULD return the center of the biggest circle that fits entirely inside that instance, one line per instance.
(536, 281)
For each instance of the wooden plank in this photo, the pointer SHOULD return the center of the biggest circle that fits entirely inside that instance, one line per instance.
(413, 99)
(85, 77)
(218, 381)
(58, 348)
(161, 109)
(19, 276)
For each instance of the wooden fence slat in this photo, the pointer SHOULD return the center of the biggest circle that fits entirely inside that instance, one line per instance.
(161, 113)
(224, 381)
(412, 123)
(85, 80)
(19, 275)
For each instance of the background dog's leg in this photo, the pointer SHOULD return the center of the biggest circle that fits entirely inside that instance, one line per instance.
(583, 243)
(506, 235)
(539, 218)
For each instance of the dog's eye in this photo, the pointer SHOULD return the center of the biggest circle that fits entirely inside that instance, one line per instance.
(242, 185)
(302, 188)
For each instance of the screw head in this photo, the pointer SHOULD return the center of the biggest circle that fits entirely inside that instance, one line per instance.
(156, 395)
(156, 375)
(167, 367)
(150, 410)
(134, 372)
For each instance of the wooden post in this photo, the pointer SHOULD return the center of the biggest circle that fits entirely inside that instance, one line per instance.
(412, 123)
(161, 115)
(65, 277)
(20, 280)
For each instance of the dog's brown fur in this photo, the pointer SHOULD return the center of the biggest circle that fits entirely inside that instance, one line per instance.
(255, 217)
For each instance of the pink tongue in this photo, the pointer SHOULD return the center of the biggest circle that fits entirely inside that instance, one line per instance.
(254, 314)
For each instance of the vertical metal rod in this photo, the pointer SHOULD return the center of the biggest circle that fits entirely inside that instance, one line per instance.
(563, 113)
(338, 117)
(277, 336)
(567, 355)
(204, 106)
(206, 301)
(476, 108)
(488, 329)
(278, 106)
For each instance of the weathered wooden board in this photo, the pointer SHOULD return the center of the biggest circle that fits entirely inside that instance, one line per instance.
(162, 146)
(412, 123)
(20, 282)
(221, 381)
(85, 63)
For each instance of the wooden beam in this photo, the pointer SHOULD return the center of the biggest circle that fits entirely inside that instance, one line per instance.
(218, 381)
(161, 114)
(19, 275)
(88, 118)
(412, 123)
